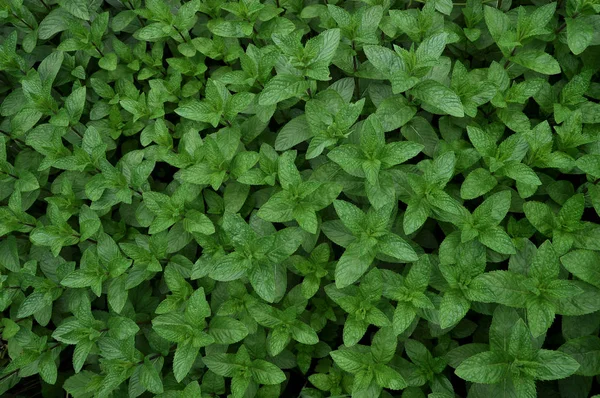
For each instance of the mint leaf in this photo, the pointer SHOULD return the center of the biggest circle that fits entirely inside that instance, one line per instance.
(487, 368)
(439, 96)
(579, 35)
(210, 198)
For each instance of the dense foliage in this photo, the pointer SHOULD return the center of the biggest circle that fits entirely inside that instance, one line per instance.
(299, 198)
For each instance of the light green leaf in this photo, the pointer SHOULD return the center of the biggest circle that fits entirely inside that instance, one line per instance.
(487, 368)
(439, 96)
(584, 265)
(537, 61)
(579, 35)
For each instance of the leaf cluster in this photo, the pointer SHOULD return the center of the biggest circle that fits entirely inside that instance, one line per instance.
(298, 198)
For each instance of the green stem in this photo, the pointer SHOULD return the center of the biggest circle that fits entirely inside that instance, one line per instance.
(9, 174)
(45, 5)
(18, 140)
(23, 21)
(76, 132)
(78, 236)
(8, 375)
(180, 34)
(512, 53)
(97, 49)
(130, 6)
(355, 68)
(564, 24)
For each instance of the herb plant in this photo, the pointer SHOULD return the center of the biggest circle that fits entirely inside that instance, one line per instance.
(300, 198)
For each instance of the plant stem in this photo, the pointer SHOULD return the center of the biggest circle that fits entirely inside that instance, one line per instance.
(130, 6)
(13, 138)
(512, 53)
(23, 21)
(180, 34)
(45, 5)
(8, 375)
(9, 174)
(76, 132)
(355, 68)
(98, 49)
(564, 24)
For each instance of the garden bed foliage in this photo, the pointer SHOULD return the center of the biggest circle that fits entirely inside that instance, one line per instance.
(299, 198)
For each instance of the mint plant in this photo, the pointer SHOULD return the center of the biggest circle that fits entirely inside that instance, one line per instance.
(299, 198)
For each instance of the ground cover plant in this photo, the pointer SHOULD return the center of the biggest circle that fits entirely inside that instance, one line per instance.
(299, 198)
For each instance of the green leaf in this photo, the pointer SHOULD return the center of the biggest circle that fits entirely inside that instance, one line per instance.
(75, 103)
(353, 263)
(9, 254)
(579, 35)
(403, 317)
(394, 112)
(56, 21)
(487, 368)
(496, 239)
(197, 307)
(122, 328)
(394, 246)
(304, 334)
(150, 378)
(185, 356)
(78, 8)
(387, 377)
(453, 308)
(415, 216)
(540, 315)
(478, 183)
(431, 49)
(520, 344)
(354, 330)
(221, 364)
(505, 287)
(108, 62)
(350, 215)
(554, 365)
(439, 96)
(586, 351)
(349, 360)
(264, 372)
(47, 368)
(199, 223)
(292, 134)
(540, 216)
(279, 208)
(493, 209)
(89, 223)
(584, 265)
(383, 347)
(227, 330)
(223, 28)
(537, 61)
(35, 302)
(282, 87)
(167, 168)
(496, 21)
(590, 164)
(81, 352)
(199, 111)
